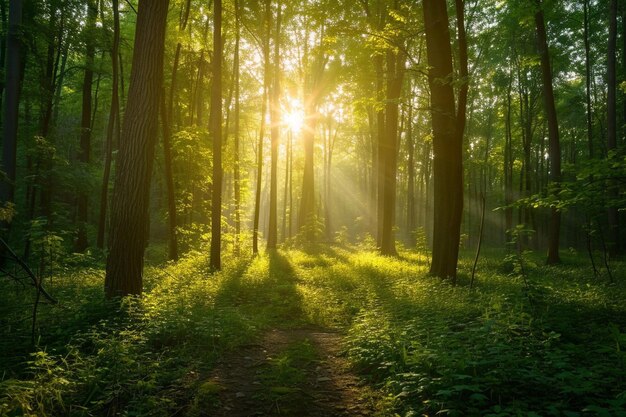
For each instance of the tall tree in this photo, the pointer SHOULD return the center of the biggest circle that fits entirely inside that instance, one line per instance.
(11, 102)
(554, 146)
(266, 82)
(216, 134)
(84, 155)
(167, 118)
(447, 142)
(395, 75)
(129, 210)
(112, 124)
(237, 158)
(611, 142)
(272, 235)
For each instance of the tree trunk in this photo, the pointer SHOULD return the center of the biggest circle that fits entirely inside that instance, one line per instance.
(11, 102)
(113, 122)
(167, 121)
(447, 143)
(588, 79)
(410, 195)
(381, 154)
(84, 155)
(129, 211)
(236, 172)
(266, 81)
(554, 146)
(613, 242)
(3, 45)
(395, 75)
(216, 130)
(272, 235)
(169, 178)
(286, 188)
(508, 166)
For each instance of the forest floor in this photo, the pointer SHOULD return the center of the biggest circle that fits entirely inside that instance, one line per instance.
(295, 372)
(322, 331)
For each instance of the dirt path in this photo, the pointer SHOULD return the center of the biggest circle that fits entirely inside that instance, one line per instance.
(296, 372)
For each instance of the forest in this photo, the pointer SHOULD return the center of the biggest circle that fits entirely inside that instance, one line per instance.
(389, 208)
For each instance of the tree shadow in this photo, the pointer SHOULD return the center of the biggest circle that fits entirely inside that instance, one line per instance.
(264, 291)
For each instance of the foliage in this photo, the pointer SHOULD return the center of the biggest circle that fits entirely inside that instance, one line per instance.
(430, 347)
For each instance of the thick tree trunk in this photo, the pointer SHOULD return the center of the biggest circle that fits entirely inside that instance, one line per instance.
(216, 133)
(129, 211)
(447, 143)
(554, 146)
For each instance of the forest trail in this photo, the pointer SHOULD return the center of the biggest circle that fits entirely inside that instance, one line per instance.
(294, 372)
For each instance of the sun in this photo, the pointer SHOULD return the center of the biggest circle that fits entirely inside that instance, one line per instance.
(293, 115)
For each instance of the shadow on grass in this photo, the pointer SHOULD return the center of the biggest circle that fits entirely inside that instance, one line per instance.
(264, 291)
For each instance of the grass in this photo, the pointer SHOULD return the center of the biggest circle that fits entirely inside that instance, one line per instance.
(553, 347)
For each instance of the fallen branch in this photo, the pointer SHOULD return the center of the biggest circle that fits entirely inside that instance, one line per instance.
(29, 272)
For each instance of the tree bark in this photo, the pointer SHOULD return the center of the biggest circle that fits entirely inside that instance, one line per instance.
(216, 130)
(447, 143)
(129, 211)
(554, 146)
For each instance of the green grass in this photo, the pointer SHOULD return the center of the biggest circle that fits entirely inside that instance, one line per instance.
(552, 347)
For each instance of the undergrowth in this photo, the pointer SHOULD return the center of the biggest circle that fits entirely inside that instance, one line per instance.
(531, 341)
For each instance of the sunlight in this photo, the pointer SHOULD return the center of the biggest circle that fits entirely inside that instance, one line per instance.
(293, 115)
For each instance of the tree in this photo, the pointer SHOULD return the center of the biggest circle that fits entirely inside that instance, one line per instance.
(129, 208)
(11, 103)
(447, 142)
(611, 142)
(84, 155)
(112, 124)
(266, 82)
(237, 158)
(554, 146)
(272, 235)
(216, 133)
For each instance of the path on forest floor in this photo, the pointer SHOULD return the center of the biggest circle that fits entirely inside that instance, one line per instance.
(294, 372)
